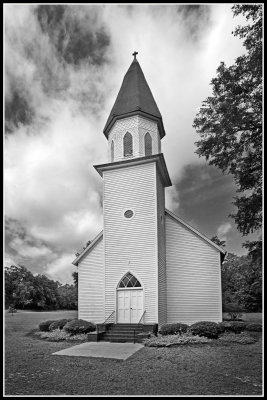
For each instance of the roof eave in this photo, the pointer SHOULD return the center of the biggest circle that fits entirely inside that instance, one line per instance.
(158, 158)
(85, 251)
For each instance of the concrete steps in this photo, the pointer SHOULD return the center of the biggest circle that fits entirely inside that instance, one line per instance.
(122, 333)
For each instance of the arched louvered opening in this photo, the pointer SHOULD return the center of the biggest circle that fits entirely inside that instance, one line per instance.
(127, 145)
(148, 144)
(112, 151)
(129, 281)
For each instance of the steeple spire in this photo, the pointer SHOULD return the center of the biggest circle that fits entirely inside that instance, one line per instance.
(134, 98)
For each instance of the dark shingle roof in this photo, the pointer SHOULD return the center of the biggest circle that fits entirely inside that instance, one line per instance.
(134, 97)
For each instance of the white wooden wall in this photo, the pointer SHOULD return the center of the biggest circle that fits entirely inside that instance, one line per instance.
(131, 245)
(193, 276)
(91, 285)
(138, 127)
(162, 295)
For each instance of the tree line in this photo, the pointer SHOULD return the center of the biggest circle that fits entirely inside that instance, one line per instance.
(241, 280)
(23, 290)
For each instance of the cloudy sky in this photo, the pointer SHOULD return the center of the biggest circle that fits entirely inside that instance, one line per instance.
(64, 65)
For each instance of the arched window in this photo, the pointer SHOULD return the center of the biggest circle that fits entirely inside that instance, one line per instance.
(112, 151)
(127, 145)
(148, 144)
(129, 281)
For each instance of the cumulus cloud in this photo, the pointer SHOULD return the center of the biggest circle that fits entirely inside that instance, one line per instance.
(64, 65)
(223, 230)
(24, 249)
(61, 269)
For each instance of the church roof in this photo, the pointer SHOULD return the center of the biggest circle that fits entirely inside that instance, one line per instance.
(134, 97)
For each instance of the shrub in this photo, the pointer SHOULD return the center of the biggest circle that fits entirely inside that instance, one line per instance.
(232, 326)
(173, 329)
(242, 338)
(254, 326)
(44, 326)
(208, 329)
(59, 324)
(77, 326)
(234, 310)
(173, 340)
(58, 335)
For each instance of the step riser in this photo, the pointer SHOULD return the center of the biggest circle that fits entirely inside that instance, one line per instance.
(125, 330)
(121, 340)
(123, 333)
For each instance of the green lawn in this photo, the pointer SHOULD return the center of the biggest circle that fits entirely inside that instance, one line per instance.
(209, 369)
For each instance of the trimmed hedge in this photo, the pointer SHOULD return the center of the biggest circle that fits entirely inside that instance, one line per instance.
(44, 326)
(208, 329)
(232, 326)
(173, 329)
(59, 324)
(254, 326)
(174, 340)
(77, 326)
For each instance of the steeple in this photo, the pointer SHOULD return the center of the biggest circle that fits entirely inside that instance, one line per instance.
(135, 98)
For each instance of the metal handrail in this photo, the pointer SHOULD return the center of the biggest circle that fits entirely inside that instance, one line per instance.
(105, 322)
(141, 317)
(139, 323)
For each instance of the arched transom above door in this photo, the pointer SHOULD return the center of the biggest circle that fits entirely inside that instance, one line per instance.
(129, 281)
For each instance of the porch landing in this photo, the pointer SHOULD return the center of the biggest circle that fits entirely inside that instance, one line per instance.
(120, 351)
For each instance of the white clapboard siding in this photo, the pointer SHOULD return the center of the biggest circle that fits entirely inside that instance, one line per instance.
(131, 244)
(193, 276)
(91, 284)
(162, 295)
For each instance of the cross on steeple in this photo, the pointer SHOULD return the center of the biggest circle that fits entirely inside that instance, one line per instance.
(134, 54)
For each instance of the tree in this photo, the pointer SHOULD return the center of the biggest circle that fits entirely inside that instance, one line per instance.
(23, 289)
(219, 242)
(241, 284)
(68, 297)
(75, 278)
(45, 295)
(19, 286)
(230, 122)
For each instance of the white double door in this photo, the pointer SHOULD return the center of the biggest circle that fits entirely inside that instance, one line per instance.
(129, 306)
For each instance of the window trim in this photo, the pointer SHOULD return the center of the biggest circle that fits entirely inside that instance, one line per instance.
(147, 134)
(123, 142)
(127, 209)
(112, 151)
(129, 287)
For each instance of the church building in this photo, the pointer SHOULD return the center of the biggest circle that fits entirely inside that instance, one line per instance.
(147, 265)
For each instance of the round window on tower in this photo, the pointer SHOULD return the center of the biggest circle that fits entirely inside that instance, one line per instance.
(128, 214)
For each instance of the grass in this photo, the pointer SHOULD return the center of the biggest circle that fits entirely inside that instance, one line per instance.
(216, 368)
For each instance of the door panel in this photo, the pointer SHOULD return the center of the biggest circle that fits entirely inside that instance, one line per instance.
(124, 306)
(130, 306)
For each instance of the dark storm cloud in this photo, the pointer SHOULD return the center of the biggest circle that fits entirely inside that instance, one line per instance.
(205, 196)
(72, 37)
(59, 43)
(17, 110)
